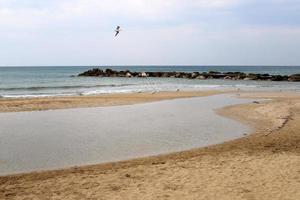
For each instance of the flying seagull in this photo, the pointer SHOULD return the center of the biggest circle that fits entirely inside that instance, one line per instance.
(117, 30)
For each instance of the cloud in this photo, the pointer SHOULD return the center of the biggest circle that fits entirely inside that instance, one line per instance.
(30, 12)
(56, 32)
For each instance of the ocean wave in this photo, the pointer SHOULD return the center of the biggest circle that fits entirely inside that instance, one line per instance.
(15, 96)
(62, 87)
(129, 88)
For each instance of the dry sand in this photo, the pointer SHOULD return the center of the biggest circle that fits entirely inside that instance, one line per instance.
(262, 165)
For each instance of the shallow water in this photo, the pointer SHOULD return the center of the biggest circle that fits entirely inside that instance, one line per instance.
(61, 138)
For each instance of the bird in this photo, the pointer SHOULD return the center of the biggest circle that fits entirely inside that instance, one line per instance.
(117, 30)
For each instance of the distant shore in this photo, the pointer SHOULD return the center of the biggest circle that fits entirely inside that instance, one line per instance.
(262, 165)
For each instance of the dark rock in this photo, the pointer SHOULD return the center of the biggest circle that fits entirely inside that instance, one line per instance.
(264, 77)
(165, 75)
(150, 74)
(285, 78)
(108, 72)
(178, 75)
(278, 78)
(135, 74)
(214, 72)
(234, 75)
(216, 76)
(157, 74)
(241, 76)
(191, 75)
(172, 74)
(252, 77)
(194, 74)
(93, 72)
(294, 77)
(184, 75)
(122, 73)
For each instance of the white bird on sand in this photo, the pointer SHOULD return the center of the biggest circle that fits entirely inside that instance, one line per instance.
(117, 30)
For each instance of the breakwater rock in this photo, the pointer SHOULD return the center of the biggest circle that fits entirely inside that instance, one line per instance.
(191, 75)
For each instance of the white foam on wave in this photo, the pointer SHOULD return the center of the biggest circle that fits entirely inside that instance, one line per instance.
(147, 87)
(34, 95)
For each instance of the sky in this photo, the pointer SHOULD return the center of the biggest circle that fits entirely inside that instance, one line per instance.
(154, 32)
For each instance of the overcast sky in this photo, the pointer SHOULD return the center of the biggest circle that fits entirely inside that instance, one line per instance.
(155, 32)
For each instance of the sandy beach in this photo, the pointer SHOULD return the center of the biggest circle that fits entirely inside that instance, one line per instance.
(265, 164)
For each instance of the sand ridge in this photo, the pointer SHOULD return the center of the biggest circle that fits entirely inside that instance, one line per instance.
(50, 103)
(263, 165)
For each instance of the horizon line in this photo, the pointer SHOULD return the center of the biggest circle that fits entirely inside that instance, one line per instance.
(150, 65)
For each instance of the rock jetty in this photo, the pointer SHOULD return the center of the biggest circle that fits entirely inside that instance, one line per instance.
(97, 72)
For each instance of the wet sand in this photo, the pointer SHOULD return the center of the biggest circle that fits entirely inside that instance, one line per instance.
(262, 165)
(50, 103)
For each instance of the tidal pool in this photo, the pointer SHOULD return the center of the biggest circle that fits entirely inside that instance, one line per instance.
(54, 139)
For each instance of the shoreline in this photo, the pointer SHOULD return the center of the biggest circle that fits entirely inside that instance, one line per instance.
(272, 147)
(64, 102)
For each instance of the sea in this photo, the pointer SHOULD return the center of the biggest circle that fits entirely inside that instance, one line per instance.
(46, 81)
